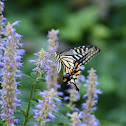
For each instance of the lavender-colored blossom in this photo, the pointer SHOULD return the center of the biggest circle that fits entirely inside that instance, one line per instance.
(43, 112)
(2, 42)
(73, 97)
(16, 23)
(46, 63)
(91, 100)
(75, 119)
(42, 63)
(1, 7)
(52, 74)
(10, 73)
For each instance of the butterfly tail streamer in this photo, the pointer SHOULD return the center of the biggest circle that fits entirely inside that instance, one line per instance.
(77, 89)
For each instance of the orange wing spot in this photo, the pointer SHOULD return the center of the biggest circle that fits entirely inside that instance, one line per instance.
(64, 79)
(76, 73)
(76, 64)
(77, 69)
(70, 72)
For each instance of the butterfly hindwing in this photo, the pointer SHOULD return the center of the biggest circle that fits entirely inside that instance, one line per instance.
(67, 62)
(71, 77)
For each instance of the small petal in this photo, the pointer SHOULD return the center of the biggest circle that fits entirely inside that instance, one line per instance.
(16, 23)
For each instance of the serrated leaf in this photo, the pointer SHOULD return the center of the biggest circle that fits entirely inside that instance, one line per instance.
(60, 118)
(24, 105)
(22, 111)
(34, 102)
(20, 117)
(42, 79)
(33, 74)
(27, 80)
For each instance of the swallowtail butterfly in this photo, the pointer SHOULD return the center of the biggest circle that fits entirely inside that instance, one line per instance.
(72, 59)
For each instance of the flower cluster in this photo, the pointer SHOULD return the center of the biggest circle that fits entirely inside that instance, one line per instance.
(10, 72)
(42, 63)
(53, 43)
(75, 119)
(2, 25)
(52, 75)
(47, 63)
(91, 99)
(86, 117)
(46, 107)
(2, 19)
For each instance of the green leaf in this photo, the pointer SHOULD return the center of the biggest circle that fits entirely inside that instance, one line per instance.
(31, 122)
(0, 121)
(37, 94)
(59, 97)
(33, 74)
(42, 79)
(60, 118)
(19, 116)
(22, 111)
(27, 80)
(34, 102)
(30, 117)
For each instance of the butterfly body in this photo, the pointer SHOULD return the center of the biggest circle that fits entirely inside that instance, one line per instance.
(72, 59)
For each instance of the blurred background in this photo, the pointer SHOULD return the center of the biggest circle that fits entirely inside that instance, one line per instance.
(94, 22)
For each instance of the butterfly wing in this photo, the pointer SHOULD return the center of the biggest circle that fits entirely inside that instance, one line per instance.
(81, 55)
(67, 62)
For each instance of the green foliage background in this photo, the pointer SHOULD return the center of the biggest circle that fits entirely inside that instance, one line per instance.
(94, 22)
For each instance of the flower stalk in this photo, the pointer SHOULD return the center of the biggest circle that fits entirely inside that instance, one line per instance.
(11, 71)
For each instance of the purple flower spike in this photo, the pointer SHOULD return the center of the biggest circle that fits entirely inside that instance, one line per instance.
(75, 119)
(46, 64)
(42, 62)
(91, 100)
(1, 7)
(10, 69)
(44, 109)
(52, 74)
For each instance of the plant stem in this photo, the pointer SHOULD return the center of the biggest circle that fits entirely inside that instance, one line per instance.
(29, 103)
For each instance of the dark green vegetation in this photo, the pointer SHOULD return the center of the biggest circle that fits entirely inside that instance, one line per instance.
(101, 23)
